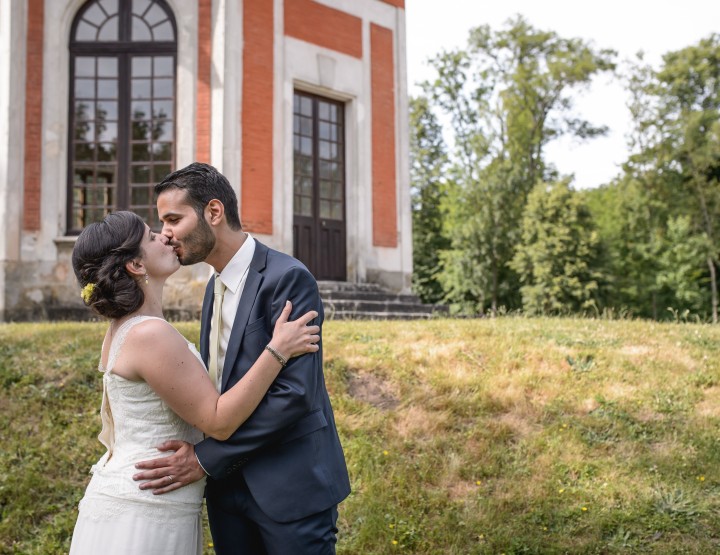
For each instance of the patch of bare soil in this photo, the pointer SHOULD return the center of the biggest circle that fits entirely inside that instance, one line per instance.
(373, 390)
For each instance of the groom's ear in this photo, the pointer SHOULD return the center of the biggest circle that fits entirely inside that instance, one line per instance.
(215, 211)
(135, 268)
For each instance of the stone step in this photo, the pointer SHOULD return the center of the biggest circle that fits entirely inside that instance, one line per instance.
(343, 300)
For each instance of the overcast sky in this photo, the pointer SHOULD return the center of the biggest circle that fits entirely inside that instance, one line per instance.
(627, 26)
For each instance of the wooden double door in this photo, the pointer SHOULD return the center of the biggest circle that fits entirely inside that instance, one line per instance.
(319, 231)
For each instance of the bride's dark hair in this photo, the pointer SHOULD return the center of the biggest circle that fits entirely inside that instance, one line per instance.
(99, 257)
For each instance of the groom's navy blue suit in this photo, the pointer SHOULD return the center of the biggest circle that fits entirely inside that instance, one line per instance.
(287, 454)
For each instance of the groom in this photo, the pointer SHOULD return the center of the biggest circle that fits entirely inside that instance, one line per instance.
(273, 487)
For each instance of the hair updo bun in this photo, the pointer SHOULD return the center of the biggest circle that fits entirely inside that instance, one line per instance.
(99, 257)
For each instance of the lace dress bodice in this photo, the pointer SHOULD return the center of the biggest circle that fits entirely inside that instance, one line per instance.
(135, 420)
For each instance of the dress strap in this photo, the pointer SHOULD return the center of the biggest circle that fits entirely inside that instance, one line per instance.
(120, 336)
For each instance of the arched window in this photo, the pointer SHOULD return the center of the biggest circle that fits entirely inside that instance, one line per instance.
(122, 108)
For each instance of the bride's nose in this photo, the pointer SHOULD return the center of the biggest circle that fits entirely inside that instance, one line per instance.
(165, 239)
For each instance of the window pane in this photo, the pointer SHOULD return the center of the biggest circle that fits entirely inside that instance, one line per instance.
(109, 31)
(323, 110)
(107, 152)
(140, 152)
(306, 146)
(337, 190)
(84, 111)
(107, 67)
(140, 6)
(141, 130)
(163, 109)
(84, 67)
(324, 209)
(140, 30)
(306, 127)
(140, 88)
(164, 31)
(324, 130)
(306, 206)
(336, 211)
(111, 6)
(107, 109)
(162, 130)
(160, 172)
(140, 109)
(85, 32)
(107, 88)
(155, 15)
(94, 15)
(140, 174)
(84, 131)
(324, 147)
(141, 66)
(105, 174)
(305, 106)
(162, 152)
(83, 174)
(140, 195)
(107, 132)
(325, 187)
(163, 88)
(84, 88)
(84, 152)
(164, 66)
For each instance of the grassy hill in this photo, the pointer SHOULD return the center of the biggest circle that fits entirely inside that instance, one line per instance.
(488, 436)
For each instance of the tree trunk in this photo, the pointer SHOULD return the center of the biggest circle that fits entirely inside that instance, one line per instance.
(713, 289)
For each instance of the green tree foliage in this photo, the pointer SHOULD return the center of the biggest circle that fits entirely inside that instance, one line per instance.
(676, 112)
(558, 254)
(505, 97)
(428, 164)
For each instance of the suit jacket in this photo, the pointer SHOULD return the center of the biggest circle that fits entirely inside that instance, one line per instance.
(288, 451)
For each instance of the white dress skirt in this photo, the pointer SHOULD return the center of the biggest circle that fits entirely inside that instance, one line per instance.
(115, 516)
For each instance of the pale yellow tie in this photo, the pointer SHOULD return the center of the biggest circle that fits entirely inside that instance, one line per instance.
(215, 330)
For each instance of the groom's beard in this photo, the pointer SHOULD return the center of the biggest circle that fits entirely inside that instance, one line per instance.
(197, 245)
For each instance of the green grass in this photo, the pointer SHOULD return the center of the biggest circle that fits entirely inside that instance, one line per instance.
(488, 436)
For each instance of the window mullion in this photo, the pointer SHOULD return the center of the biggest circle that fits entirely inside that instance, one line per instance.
(123, 161)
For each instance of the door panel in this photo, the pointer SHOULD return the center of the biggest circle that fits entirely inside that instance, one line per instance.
(319, 186)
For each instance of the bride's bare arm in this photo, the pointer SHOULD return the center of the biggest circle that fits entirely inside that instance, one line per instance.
(160, 356)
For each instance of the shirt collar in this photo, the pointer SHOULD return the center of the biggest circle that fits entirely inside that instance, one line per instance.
(235, 271)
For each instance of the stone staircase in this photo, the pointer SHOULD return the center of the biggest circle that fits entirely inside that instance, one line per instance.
(369, 301)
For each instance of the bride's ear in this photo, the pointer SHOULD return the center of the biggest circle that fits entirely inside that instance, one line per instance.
(135, 268)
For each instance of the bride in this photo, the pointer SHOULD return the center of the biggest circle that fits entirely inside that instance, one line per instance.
(155, 388)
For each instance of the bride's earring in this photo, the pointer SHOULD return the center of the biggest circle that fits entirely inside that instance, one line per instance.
(146, 279)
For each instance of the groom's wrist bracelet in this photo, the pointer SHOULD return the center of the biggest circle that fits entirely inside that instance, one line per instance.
(281, 359)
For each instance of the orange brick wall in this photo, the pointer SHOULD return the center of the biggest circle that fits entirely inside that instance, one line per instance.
(204, 106)
(33, 116)
(319, 24)
(257, 116)
(396, 3)
(384, 201)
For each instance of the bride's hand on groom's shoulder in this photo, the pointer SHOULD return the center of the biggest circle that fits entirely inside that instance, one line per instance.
(171, 472)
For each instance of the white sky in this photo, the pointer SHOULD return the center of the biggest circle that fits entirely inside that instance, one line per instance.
(627, 26)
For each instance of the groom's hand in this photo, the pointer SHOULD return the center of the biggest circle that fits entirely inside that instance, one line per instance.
(172, 472)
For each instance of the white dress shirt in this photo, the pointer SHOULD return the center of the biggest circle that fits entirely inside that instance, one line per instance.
(233, 276)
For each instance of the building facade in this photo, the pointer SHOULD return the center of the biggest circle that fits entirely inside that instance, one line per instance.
(302, 104)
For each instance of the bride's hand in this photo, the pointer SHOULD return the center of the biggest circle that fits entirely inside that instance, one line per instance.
(295, 338)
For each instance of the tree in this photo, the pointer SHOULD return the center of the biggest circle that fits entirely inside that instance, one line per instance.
(558, 254)
(680, 147)
(428, 163)
(505, 97)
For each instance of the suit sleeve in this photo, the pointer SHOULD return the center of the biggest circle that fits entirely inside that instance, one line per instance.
(291, 396)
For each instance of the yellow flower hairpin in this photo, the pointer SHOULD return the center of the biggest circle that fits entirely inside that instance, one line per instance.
(87, 292)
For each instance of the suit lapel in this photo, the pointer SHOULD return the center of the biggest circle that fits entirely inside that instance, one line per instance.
(205, 320)
(247, 300)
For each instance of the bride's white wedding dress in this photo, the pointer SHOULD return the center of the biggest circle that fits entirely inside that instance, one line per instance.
(115, 516)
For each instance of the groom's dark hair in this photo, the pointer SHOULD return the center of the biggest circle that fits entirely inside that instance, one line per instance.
(203, 183)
